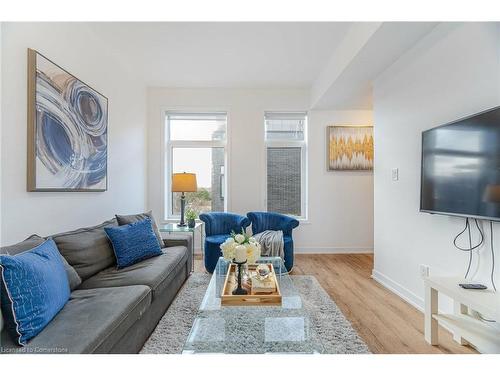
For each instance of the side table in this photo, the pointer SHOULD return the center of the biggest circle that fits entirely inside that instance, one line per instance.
(173, 228)
(465, 326)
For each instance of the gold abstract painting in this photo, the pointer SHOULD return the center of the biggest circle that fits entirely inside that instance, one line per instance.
(350, 148)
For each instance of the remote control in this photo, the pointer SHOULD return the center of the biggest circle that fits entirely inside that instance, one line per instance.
(473, 286)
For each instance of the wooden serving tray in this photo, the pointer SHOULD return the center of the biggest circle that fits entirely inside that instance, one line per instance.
(256, 299)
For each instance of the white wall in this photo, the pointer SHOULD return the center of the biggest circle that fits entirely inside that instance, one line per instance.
(340, 204)
(1, 27)
(79, 51)
(453, 72)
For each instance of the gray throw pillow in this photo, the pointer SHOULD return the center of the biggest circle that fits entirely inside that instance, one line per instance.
(129, 219)
(88, 250)
(33, 241)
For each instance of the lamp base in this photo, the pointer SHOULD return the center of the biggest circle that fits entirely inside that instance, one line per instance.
(183, 205)
(239, 292)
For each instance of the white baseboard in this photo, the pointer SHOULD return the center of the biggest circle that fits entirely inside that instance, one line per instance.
(323, 250)
(333, 250)
(399, 290)
(404, 293)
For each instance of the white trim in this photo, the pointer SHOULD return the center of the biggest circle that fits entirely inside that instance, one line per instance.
(305, 172)
(322, 250)
(404, 293)
(332, 250)
(167, 146)
(303, 221)
(303, 145)
(195, 144)
(399, 290)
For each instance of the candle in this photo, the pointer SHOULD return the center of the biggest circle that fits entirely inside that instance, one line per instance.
(241, 254)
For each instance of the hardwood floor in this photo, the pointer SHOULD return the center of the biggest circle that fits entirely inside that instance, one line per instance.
(386, 322)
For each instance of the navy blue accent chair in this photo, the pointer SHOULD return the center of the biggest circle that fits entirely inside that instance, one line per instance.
(262, 221)
(218, 227)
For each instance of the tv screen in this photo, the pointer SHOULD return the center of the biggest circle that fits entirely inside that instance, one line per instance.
(461, 167)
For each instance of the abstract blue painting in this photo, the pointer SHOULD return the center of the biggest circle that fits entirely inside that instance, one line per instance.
(68, 130)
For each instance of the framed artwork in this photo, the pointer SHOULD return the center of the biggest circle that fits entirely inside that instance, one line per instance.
(350, 148)
(67, 130)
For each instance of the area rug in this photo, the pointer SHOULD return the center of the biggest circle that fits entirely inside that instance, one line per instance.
(337, 334)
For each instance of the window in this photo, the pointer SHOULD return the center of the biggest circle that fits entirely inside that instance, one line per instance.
(196, 143)
(286, 141)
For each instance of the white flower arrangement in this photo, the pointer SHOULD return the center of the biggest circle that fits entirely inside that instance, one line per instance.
(241, 239)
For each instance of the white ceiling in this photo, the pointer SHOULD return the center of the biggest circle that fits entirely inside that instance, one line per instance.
(242, 55)
(337, 61)
(381, 45)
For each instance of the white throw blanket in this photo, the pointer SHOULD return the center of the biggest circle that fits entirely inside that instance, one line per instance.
(271, 242)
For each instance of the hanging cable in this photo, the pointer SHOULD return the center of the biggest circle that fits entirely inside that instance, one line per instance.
(471, 247)
(481, 317)
(492, 257)
(467, 226)
(470, 252)
(458, 235)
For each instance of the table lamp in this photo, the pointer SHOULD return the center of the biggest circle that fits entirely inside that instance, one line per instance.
(183, 183)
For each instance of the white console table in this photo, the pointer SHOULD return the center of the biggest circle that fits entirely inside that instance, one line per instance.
(466, 328)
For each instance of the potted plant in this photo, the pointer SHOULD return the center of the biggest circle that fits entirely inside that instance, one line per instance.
(191, 216)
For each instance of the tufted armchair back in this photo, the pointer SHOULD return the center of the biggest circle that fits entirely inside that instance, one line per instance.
(223, 223)
(262, 221)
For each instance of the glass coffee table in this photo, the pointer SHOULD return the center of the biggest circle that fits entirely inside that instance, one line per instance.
(252, 330)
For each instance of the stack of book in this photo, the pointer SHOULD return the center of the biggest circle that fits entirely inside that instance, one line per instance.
(267, 285)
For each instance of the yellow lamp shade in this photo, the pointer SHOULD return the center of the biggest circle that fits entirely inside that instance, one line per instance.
(184, 182)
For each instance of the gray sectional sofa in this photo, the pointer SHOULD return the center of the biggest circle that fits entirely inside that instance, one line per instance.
(110, 310)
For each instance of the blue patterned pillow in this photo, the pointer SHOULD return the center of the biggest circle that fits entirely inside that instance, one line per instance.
(133, 242)
(35, 288)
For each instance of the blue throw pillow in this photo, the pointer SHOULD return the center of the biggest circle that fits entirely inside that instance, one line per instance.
(35, 288)
(133, 242)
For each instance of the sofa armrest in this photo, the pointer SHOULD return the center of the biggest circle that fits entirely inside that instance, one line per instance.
(179, 239)
(290, 223)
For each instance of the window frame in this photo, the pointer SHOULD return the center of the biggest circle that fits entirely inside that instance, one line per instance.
(167, 159)
(303, 145)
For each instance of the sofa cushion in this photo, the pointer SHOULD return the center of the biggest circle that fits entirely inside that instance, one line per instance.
(88, 250)
(35, 288)
(156, 272)
(133, 243)
(33, 241)
(129, 219)
(93, 320)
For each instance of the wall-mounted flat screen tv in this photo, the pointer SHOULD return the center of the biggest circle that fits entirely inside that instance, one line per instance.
(461, 167)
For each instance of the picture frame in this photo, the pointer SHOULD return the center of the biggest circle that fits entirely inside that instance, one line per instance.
(67, 130)
(349, 148)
